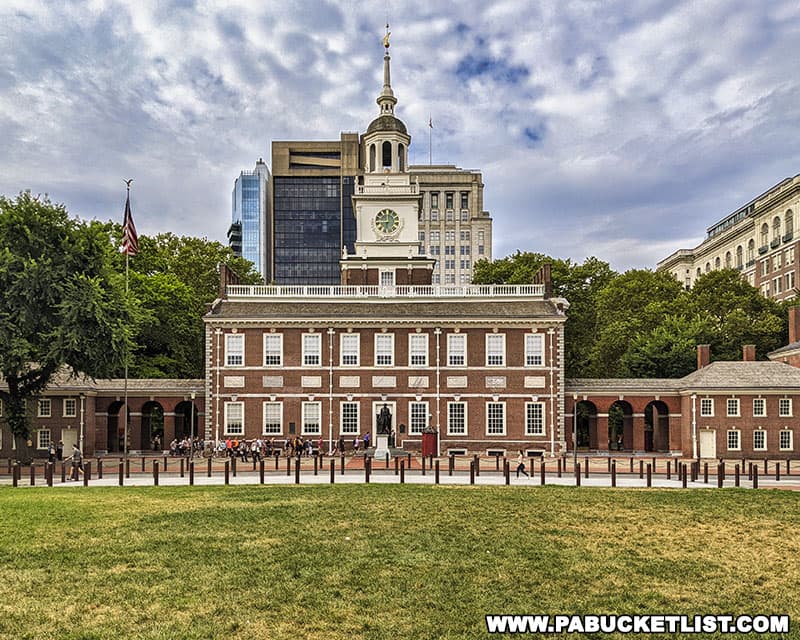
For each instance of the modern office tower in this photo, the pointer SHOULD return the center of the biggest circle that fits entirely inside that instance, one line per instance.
(250, 218)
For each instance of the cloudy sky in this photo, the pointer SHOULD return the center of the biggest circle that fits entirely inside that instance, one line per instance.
(616, 129)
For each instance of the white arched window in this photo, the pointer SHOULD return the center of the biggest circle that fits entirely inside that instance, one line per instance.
(776, 229)
(739, 257)
(764, 234)
(788, 224)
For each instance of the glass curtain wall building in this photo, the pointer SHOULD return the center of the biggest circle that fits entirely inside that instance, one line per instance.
(248, 232)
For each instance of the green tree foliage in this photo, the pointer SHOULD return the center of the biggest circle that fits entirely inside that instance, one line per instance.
(62, 304)
(580, 284)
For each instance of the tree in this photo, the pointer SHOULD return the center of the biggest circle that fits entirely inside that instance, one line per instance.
(63, 305)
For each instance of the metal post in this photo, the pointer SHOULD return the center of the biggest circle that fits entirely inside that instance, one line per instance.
(705, 472)
(121, 472)
(577, 474)
(683, 475)
(48, 474)
(402, 471)
(423, 465)
(191, 473)
(720, 476)
(641, 469)
(507, 472)
(155, 473)
(227, 472)
(614, 473)
(586, 467)
(261, 471)
(208, 470)
(333, 470)
(436, 471)
(477, 465)
(736, 476)
(755, 477)
(33, 474)
(472, 472)
(649, 475)
(233, 466)
(182, 462)
(541, 472)
(366, 469)
(297, 470)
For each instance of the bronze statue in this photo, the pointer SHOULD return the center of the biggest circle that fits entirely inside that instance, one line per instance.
(384, 421)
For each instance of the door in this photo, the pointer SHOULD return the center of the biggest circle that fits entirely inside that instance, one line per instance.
(69, 437)
(708, 443)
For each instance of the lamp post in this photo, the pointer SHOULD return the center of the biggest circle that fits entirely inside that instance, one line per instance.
(574, 428)
(83, 397)
(191, 426)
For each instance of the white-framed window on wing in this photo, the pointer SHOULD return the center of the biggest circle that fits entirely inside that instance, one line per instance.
(495, 418)
(456, 349)
(707, 407)
(312, 349)
(534, 418)
(45, 408)
(732, 406)
(456, 418)
(418, 350)
(234, 349)
(312, 418)
(234, 418)
(418, 417)
(759, 440)
(785, 407)
(349, 418)
(534, 349)
(759, 407)
(384, 349)
(273, 349)
(349, 349)
(734, 440)
(785, 440)
(495, 349)
(43, 438)
(70, 408)
(273, 418)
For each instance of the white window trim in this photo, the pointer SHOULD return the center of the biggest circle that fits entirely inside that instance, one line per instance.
(450, 432)
(791, 440)
(738, 403)
(755, 448)
(342, 404)
(426, 338)
(39, 434)
(463, 338)
(304, 414)
(710, 414)
(386, 272)
(390, 336)
(44, 402)
(280, 349)
(264, 431)
(227, 408)
(318, 351)
(502, 337)
(763, 402)
(780, 408)
(427, 406)
(64, 413)
(229, 337)
(528, 431)
(349, 336)
(530, 337)
(727, 440)
(505, 418)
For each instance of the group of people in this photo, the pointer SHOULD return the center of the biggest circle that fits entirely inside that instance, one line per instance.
(183, 447)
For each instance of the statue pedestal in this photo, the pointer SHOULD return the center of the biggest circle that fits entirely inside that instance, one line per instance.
(382, 447)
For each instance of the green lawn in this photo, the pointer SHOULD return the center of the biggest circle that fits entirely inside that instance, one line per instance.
(378, 561)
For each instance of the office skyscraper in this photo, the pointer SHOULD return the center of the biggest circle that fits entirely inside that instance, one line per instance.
(250, 217)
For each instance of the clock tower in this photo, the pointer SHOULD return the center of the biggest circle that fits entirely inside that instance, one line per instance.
(386, 204)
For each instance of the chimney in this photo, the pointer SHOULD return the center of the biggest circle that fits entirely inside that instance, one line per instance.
(794, 324)
(749, 353)
(703, 355)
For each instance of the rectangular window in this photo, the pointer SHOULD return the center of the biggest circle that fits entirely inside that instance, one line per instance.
(456, 418)
(312, 349)
(707, 407)
(464, 235)
(350, 344)
(534, 418)
(384, 349)
(43, 438)
(448, 198)
(422, 236)
(785, 440)
(312, 418)
(234, 349)
(464, 215)
(434, 216)
(759, 408)
(349, 418)
(273, 349)
(785, 407)
(480, 250)
(418, 350)
(534, 349)
(418, 416)
(465, 199)
(273, 418)
(70, 408)
(495, 418)
(45, 408)
(456, 349)
(759, 440)
(434, 200)
(495, 349)
(387, 278)
(733, 440)
(435, 236)
(732, 407)
(234, 418)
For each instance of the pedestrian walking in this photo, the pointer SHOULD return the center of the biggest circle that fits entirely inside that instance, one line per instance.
(521, 464)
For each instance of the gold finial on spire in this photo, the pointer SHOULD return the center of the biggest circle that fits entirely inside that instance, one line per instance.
(386, 37)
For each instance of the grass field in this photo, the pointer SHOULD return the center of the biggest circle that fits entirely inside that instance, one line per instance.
(378, 561)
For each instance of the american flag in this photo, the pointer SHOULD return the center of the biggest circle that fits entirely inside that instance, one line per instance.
(130, 241)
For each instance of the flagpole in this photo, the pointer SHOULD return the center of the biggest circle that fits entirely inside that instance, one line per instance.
(125, 385)
(430, 140)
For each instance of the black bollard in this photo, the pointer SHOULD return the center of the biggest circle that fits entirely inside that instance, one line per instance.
(507, 472)
(128, 468)
(409, 462)
(586, 468)
(366, 469)
(165, 463)
(277, 458)
(143, 462)
(121, 473)
(288, 467)
(33, 474)
(387, 459)
(669, 470)
(451, 465)
(577, 474)
(736, 475)
(191, 473)
(208, 469)
(755, 477)
(64, 471)
(316, 464)
(777, 471)
(15, 475)
(423, 465)
(614, 473)
(333, 470)
(87, 473)
(155, 473)
(705, 473)
(341, 465)
(609, 464)
(402, 471)
(297, 470)
(683, 475)
(436, 472)
(559, 467)
(99, 468)
(48, 474)
(654, 464)
(233, 466)
(472, 472)
(649, 475)
(182, 465)
(541, 472)
(261, 471)
(631, 464)
(227, 472)
(641, 469)
(720, 476)
(766, 468)
(396, 466)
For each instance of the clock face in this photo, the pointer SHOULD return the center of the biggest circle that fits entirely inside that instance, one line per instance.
(387, 221)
